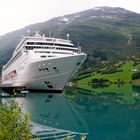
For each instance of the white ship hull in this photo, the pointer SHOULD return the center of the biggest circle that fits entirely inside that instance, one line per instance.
(50, 74)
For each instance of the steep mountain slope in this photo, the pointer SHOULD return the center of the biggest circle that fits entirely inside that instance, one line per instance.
(105, 33)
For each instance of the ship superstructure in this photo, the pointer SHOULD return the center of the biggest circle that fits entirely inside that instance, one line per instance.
(42, 63)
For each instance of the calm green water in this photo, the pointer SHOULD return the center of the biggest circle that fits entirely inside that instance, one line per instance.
(106, 113)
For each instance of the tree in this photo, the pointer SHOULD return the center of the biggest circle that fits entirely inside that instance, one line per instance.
(136, 76)
(13, 124)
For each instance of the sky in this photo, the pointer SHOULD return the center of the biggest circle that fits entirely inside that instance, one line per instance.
(16, 14)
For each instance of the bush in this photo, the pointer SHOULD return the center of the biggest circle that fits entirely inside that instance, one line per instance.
(81, 77)
(111, 71)
(136, 76)
(13, 124)
(95, 80)
(83, 73)
(136, 63)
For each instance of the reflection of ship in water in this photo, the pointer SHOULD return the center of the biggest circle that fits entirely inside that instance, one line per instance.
(53, 116)
(50, 133)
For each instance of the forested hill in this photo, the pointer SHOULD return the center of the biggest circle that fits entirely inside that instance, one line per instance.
(105, 33)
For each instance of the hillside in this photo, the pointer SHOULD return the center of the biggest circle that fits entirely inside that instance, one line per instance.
(119, 74)
(107, 34)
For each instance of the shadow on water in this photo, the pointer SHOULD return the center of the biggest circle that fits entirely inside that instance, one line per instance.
(106, 113)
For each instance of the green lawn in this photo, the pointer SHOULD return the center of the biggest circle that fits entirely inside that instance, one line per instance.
(125, 75)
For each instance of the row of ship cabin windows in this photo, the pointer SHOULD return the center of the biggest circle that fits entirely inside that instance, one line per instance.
(54, 44)
(39, 47)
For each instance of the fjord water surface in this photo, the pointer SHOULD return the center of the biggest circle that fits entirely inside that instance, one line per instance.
(103, 115)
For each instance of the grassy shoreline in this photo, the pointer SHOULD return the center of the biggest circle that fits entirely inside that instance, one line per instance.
(122, 75)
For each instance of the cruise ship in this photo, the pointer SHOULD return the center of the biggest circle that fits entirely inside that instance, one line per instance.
(42, 63)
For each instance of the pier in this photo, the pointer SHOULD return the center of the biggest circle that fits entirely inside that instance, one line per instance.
(12, 89)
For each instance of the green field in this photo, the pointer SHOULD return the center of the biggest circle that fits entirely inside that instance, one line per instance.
(127, 69)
